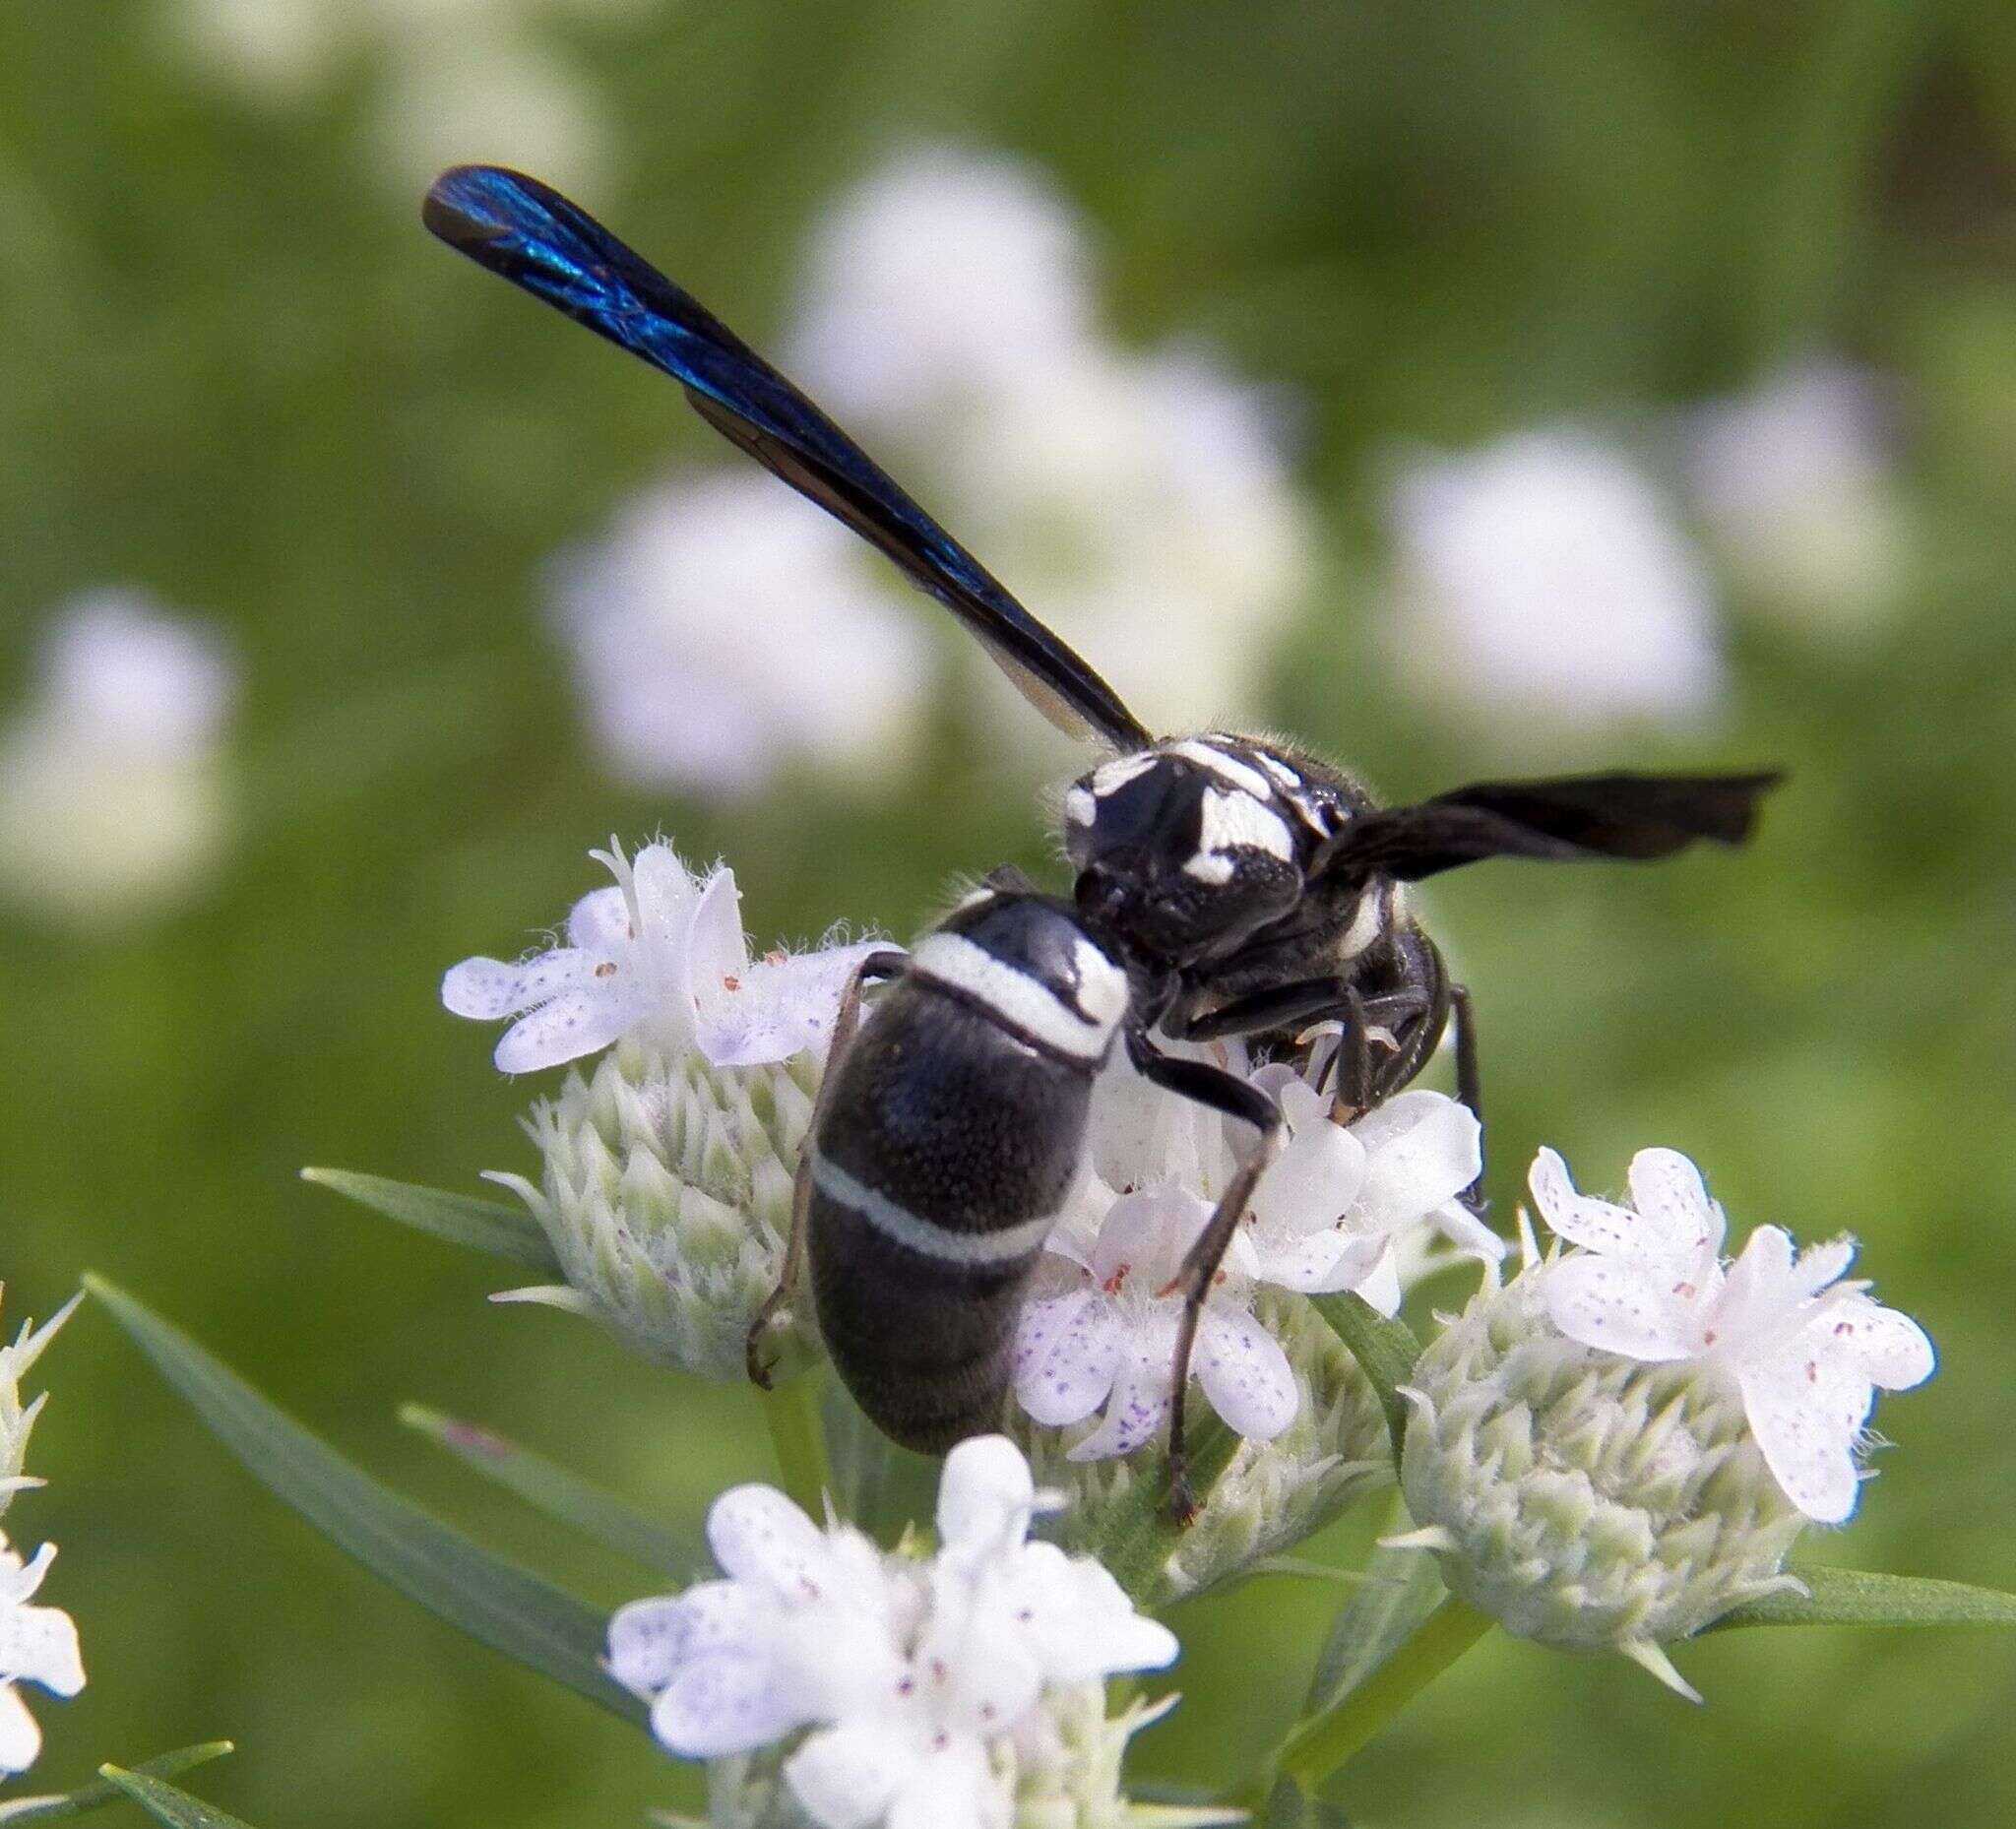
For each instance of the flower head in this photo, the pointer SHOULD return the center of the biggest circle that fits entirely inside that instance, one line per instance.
(38, 1645)
(1805, 1349)
(661, 954)
(724, 631)
(113, 800)
(916, 1678)
(1545, 575)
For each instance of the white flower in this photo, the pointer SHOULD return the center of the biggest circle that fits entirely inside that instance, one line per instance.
(1333, 1212)
(38, 1645)
(112, 799)
(1544, 576)
(911, 1675)
(1342, 1204)
(18, 1420)
(1144, 503)
(725, 630)
(946, 273)
(1805, 1349)
(1796, 483)
(661, 952)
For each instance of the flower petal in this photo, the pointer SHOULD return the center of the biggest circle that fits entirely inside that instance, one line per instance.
(1806, 1409)
(778, 1007)
(758, 1534)
(951, 1788)
(488, 989)
(1245, 1373)
(1142, 1389)
(1067, 1350)
(21, 1740)
(601, 922)
(38, 1645)
(1379, 1283)
(1313, 1183)
(1887, 1348)
(569, 1026)
(1674, 1208)
(846, 1777)
(1593, 1225)
(985, 1498)
(1617, 1306)
(1421, 1149)
(646, 1639)
(725, 1704)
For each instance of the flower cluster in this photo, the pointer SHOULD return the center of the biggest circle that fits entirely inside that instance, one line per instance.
(113, 795)
(948, 314)
(1622, 1443)
(37, 1643)
(1610, 1450)
(924, 1682)
(667, 1172)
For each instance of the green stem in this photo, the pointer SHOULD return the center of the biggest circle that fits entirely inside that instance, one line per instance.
(1324, 1744)
(791, 1412)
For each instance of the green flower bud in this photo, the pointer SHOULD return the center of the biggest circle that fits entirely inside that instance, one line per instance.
(18, 1420)
(666, 1193)
(1582, 1498)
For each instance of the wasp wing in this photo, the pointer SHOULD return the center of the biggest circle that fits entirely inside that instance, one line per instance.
(1635, 817)
(533, 236)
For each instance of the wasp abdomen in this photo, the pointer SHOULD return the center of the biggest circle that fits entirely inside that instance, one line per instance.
(943, 1156)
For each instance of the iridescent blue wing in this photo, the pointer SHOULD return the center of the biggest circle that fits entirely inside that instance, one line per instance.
(536, 239)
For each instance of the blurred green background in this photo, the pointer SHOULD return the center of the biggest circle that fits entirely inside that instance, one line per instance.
(234, 371)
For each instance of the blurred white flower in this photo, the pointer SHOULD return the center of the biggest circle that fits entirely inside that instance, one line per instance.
(1805, 1349)
(113, 800)
(1544, 577)
(1331, 1213)
(17, 1419)
(943, 276)
(38, 1645)
(1142, 505)
(726, 629)
(915, 1676)
(661, 952)
(1794, 482)
(460, 79)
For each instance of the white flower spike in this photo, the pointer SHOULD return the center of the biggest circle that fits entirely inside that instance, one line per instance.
(38, 1645)
(916, 1678)
(1806, 1349)
(662, 951)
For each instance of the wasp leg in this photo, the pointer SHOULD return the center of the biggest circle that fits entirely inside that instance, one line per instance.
(1221, 1092)
(877, 966)
(1281, 1005)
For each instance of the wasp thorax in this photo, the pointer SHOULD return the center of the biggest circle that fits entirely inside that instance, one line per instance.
(1188, 848)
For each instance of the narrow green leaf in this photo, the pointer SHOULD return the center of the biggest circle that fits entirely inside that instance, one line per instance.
(1844, 1597)
(25, 1811)
(165, 1803)
(1288, 1806)
(505, 1231)
(1402, 1589)
(1386, 1349)
(495, 1601)
(875, 1483)
(561, 1495)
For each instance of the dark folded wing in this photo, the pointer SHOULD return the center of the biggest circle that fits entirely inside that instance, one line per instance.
(533, 236)
(1636, 816)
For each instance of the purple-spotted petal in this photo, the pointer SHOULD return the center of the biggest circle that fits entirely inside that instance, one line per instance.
(569, 1026)
(1244, 1373)
(1067, 1352)
(1617, 1306)
(729, 1703)
(757, 1535)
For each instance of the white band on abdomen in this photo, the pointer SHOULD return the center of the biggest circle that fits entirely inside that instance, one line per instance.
(924, 1236)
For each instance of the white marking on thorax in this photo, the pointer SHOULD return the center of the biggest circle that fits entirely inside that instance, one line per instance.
(926, 1236)
(1080, 806)
(950, 959)
(1233, 822)
(1279, 768)
(1110, 776)
(1368, 923)
(1229, 769)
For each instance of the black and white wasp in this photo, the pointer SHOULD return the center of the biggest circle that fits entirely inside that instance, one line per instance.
(1224, 886)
